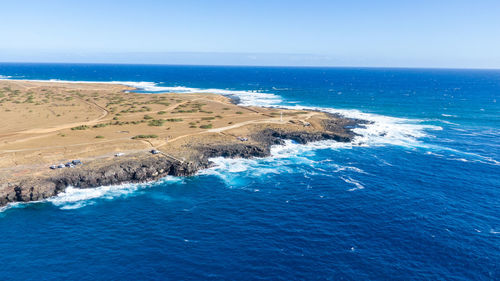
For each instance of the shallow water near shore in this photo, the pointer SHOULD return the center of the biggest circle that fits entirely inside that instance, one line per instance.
(415, 196)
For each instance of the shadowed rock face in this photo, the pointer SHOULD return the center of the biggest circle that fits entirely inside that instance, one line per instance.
(146, 167)
(142, 169)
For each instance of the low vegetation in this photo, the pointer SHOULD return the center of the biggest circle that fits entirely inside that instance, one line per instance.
(80, 128)
(144, 137)
(174, 120)
(156, 123)
(207, 126)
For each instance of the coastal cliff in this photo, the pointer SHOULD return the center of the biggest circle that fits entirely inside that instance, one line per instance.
(145, 167)
(112, 131)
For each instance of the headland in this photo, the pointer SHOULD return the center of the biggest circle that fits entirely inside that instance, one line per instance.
(122, 136)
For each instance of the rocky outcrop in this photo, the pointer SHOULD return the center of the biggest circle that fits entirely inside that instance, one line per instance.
(147, 167)
(136, 170)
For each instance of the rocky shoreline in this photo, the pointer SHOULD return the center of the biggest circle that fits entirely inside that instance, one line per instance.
(145, 167)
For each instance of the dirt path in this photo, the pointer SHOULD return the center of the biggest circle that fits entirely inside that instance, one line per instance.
(104, 114)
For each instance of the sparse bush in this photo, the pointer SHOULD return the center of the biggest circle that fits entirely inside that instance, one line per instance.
(99, 137)
(156, 123)
(145, 137)
(207, 126)
(102, 125)
(147, 117)
(80, 128)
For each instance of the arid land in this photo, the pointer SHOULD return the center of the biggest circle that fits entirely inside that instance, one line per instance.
(48, 123)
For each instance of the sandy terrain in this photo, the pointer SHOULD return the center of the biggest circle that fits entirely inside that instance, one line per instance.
(45, 123)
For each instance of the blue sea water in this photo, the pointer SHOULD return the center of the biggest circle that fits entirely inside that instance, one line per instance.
(415, 197)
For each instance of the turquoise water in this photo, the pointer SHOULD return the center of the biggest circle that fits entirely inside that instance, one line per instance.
(415, 196)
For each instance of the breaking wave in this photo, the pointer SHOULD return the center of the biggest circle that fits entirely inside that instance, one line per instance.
(75, 198)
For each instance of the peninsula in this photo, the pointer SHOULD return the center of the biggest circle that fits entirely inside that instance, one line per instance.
(122, 136)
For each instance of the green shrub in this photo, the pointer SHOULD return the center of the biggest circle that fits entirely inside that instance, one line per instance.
(80, 128)
(147, 117)
(207, 126)
(102, 125)
(174, 120)
(156, 123)
(99, 137)
(145, 137)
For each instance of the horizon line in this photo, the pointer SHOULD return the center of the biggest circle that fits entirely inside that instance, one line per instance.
(256, 66)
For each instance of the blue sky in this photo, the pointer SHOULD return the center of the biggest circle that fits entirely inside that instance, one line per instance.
(274, 32)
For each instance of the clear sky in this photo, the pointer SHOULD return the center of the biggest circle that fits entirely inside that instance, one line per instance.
(416, 33)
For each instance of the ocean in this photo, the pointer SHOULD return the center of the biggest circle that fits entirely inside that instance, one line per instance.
(416, 196)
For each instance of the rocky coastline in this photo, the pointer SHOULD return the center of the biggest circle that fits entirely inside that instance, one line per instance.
(145, 167)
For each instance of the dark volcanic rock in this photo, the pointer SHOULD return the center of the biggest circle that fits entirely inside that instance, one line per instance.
(136, 170)
(235, 150)
(271, 136)
(147, 167)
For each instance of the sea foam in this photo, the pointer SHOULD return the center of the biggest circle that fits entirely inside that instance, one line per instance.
(74, 198)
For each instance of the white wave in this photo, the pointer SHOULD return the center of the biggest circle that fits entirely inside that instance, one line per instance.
(13, 205)
(356, 183)
(381, 129)
(237, 172)
(74, 198)
(471, 157)
(5, 77)
(449, 123)
(292, 149)
(350, 168)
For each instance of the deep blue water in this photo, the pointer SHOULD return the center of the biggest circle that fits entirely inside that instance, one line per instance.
(416, 197)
